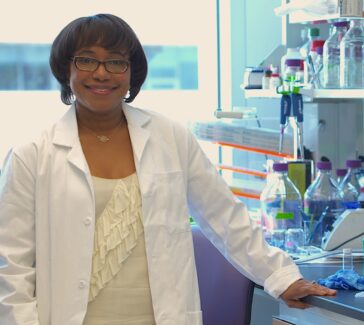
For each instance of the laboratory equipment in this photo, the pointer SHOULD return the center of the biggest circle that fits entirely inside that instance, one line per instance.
(313, 34)
(354, 173)
(281, 203)
(350, 195)
(331, 55)
(292, 107)
(351, 56)
(313, 70)
(291, 72)
(291, 54)
(253, 78)
(322, 203)
(348, 259)
(346, 232)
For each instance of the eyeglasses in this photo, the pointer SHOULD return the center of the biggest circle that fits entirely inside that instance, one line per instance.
(84, 63)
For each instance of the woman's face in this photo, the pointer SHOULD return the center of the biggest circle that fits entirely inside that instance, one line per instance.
(99, 91)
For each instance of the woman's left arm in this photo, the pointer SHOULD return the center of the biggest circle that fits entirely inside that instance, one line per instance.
(226, 223)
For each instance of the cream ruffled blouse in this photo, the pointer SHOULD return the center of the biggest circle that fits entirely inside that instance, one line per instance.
(119, 286)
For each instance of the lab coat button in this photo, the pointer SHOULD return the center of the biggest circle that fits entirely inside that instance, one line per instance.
(87, 221)
(82, 284)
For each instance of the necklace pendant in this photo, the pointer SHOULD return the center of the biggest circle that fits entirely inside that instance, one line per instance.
(103, 138)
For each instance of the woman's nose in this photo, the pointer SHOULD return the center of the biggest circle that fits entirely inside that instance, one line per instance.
(101, 73)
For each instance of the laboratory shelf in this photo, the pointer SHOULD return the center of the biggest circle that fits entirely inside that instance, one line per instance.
(333, 93)
(255, 150)
(260, 93)
(309, 92)
(298, 14)
(304, 17)
(242, 170)
(246, 188)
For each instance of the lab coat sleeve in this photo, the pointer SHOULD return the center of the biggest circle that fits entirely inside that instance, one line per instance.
(17, 243)
(225, 222)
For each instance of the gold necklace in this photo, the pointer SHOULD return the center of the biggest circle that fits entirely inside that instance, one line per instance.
(102, 138)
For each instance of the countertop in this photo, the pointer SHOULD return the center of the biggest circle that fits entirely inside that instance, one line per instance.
(344, 302)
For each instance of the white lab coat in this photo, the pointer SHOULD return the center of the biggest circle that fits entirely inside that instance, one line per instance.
(47, 216)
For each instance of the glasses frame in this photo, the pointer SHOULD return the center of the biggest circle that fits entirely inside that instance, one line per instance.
(104, 63)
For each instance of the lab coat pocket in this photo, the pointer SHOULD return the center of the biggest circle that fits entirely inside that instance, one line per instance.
(194, 318)
(170, 203)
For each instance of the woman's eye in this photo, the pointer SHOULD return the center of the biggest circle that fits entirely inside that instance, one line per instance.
(86, 60)
(116, 62)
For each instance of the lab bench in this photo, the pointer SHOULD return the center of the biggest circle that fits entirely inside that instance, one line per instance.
(343, 308)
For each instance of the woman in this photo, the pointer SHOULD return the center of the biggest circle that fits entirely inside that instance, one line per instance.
(94, 220)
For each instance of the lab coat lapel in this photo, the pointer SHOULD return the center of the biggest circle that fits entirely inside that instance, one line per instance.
(139, 135)
(66, 134)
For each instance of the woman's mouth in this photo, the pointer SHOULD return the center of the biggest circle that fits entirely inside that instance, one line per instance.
(101, 90)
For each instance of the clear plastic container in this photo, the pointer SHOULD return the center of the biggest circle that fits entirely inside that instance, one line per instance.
(331, 55)
(313, 34)
(352, 57)
(291, 54)
(311, 61)
(322, 204)
(318, 64)
(354, 173)
(350, 185)
(281, 203)
(348, 259)
(291, 71)
(275, 81)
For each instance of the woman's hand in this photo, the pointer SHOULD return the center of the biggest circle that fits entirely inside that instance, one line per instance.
(302, 288)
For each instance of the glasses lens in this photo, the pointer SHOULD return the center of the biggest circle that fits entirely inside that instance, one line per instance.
(116, 66)
(86, 64)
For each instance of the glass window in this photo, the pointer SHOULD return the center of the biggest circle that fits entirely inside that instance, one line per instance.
(25, 67)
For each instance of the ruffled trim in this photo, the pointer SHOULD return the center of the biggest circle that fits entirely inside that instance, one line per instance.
(116, 233)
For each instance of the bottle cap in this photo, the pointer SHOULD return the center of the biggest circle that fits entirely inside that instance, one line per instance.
(316, 44)
(324, 165)
(293, 62)
(354, 163)
(341, 171)
(314, 32)
(341, 24)
(280, 166)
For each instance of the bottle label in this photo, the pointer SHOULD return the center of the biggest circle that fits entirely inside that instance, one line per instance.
(284, 215)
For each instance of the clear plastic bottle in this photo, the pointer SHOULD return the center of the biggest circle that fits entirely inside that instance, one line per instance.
(318, 64)
(348, 259)
(311, 60)
(281, 203)
(292, 68)
(293, 53)
(350, 185)
(340, 174)
(331, 55)
(354, 173)
(352, 57)
(313, 34)
(323, 203)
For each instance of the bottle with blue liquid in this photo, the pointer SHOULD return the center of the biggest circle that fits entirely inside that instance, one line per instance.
(323, 203)
(281, 203)
(350, 184)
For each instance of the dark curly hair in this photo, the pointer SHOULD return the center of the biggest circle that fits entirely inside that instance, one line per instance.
(107, 31)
